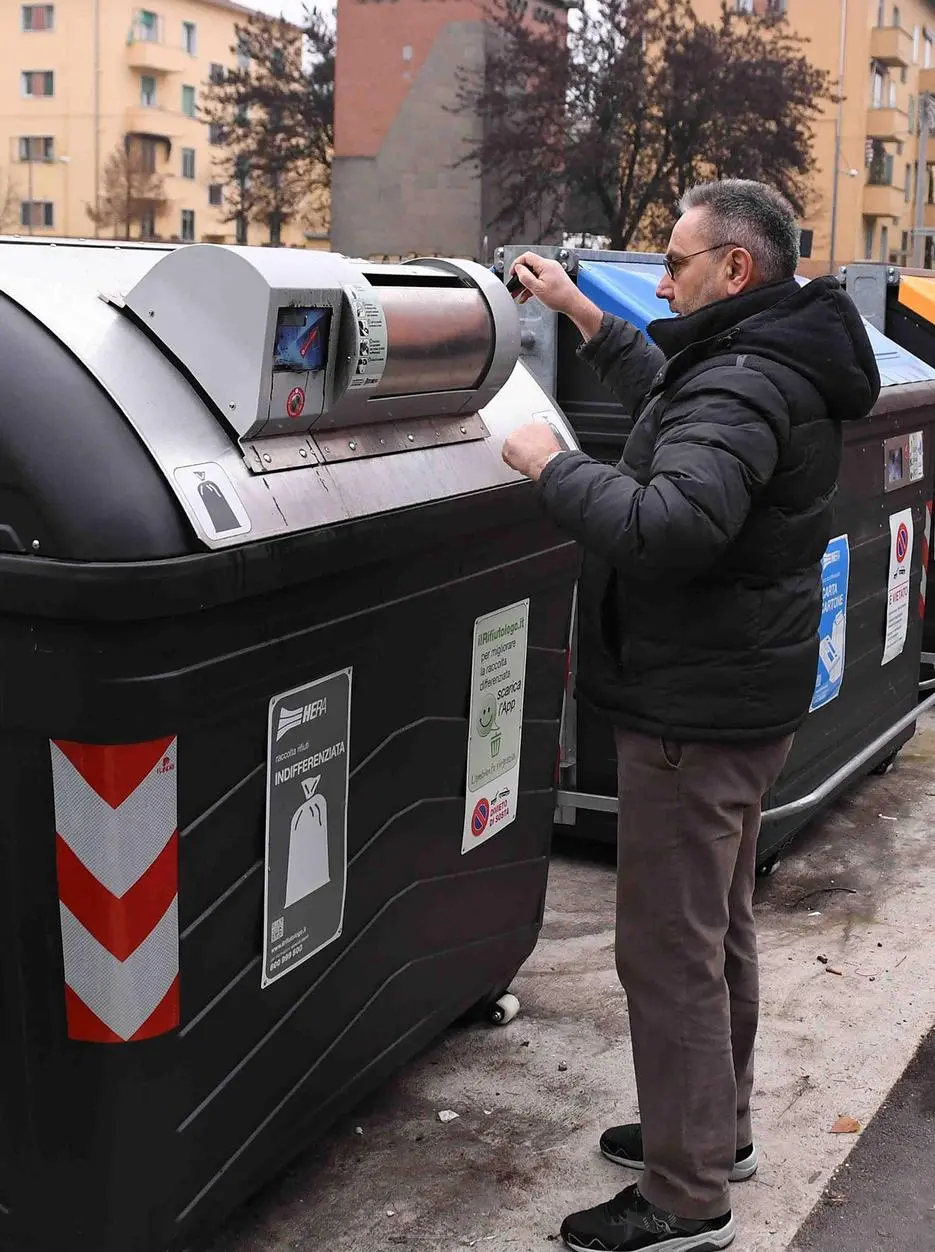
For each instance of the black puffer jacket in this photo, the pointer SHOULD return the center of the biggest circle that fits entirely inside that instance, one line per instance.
(700, 595)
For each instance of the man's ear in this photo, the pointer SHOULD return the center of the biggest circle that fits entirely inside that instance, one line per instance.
(740, 270)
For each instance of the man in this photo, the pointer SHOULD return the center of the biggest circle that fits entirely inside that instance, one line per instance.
(700, 598)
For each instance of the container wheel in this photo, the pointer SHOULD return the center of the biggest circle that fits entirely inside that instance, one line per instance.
(886, 765)
(503, 1010)
(767, 868)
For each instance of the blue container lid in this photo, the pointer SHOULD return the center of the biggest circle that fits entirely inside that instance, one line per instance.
(628, 289)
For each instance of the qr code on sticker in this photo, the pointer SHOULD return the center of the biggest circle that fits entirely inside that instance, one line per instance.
(279, 926)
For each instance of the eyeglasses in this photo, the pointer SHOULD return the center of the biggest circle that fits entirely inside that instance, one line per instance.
(674, 264)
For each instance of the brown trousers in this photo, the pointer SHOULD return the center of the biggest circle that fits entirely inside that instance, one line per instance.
(687, 957)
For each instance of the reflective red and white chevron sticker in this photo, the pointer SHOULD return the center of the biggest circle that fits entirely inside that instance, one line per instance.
(117, 856)
(926, 540)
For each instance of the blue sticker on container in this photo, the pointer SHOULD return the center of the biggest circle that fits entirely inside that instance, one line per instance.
(835, 568)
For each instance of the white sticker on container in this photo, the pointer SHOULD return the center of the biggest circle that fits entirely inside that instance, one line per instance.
(897, 585)
(217, 507)
(370, 361)
(495, 733)
(916, 456)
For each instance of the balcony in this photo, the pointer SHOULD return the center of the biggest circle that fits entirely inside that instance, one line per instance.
(891, 45)
(149, 57)
(154, 123)
(883, 200)
(888, 125)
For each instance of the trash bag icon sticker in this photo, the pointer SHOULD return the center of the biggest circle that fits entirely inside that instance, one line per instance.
(223, 517)
(214, 504)
(308, 845)
(307, 785)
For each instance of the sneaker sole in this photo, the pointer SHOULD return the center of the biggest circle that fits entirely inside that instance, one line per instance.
(709, 1241)
(740, 1173)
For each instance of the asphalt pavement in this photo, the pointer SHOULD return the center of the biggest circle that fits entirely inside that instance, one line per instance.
(882, 1199)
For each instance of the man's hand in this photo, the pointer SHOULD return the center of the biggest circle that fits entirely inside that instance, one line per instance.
(529, 447)
(548, 282)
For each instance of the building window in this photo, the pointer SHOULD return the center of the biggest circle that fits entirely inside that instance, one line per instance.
(216, 73)
(868, 238)
(188, 225)
(891, 94)
(896, 16)
(241, 229)
(147, 91)
(884, 243)
(190, 38)
(38, 16)
(37, 83)
(36, 148)
(147, 152)
(915, 45)
(876, 89)
(881, 166)
(188, 162)
(216, 195)
(147, 223)
(188, 101)
(147, 26)
(881, 13)
(907, 190)
(37, 213)
(243, 54)
(927, 51)
(912, 115)
(744, 6)
(215, 133)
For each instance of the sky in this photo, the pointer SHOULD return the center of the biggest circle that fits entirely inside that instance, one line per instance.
(291, 9)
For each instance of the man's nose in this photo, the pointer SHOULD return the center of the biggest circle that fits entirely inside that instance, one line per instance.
(665, 289)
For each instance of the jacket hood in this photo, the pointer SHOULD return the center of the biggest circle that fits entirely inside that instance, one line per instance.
(814, 330)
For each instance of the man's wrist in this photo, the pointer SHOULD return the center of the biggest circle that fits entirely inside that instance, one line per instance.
(586, 316)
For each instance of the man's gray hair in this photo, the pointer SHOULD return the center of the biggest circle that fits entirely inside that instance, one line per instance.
(751, 216)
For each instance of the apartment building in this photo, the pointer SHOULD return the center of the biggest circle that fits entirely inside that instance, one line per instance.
(80, 78)
(865, 203)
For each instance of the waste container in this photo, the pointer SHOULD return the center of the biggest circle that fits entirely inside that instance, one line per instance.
(284, 649)
(901, 304)
(866, 697)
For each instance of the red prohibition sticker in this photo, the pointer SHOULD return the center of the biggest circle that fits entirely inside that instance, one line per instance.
(902, 542)
(480, 818)
(296, 402)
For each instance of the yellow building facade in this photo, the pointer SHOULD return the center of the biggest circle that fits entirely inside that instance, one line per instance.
(864, 192)
(78, 78)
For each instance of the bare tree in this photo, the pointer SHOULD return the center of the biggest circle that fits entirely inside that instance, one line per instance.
(608, 126)
(275, 119)
(9, 203)
(131, 190)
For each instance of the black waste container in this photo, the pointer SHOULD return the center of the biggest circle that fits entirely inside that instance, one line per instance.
(866, 694)
(901, 304)
(284, 650)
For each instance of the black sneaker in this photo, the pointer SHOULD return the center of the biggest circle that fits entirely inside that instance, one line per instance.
(624, 1146)
(628, 1223)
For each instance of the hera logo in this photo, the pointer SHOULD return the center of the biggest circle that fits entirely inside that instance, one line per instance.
(292, 719)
